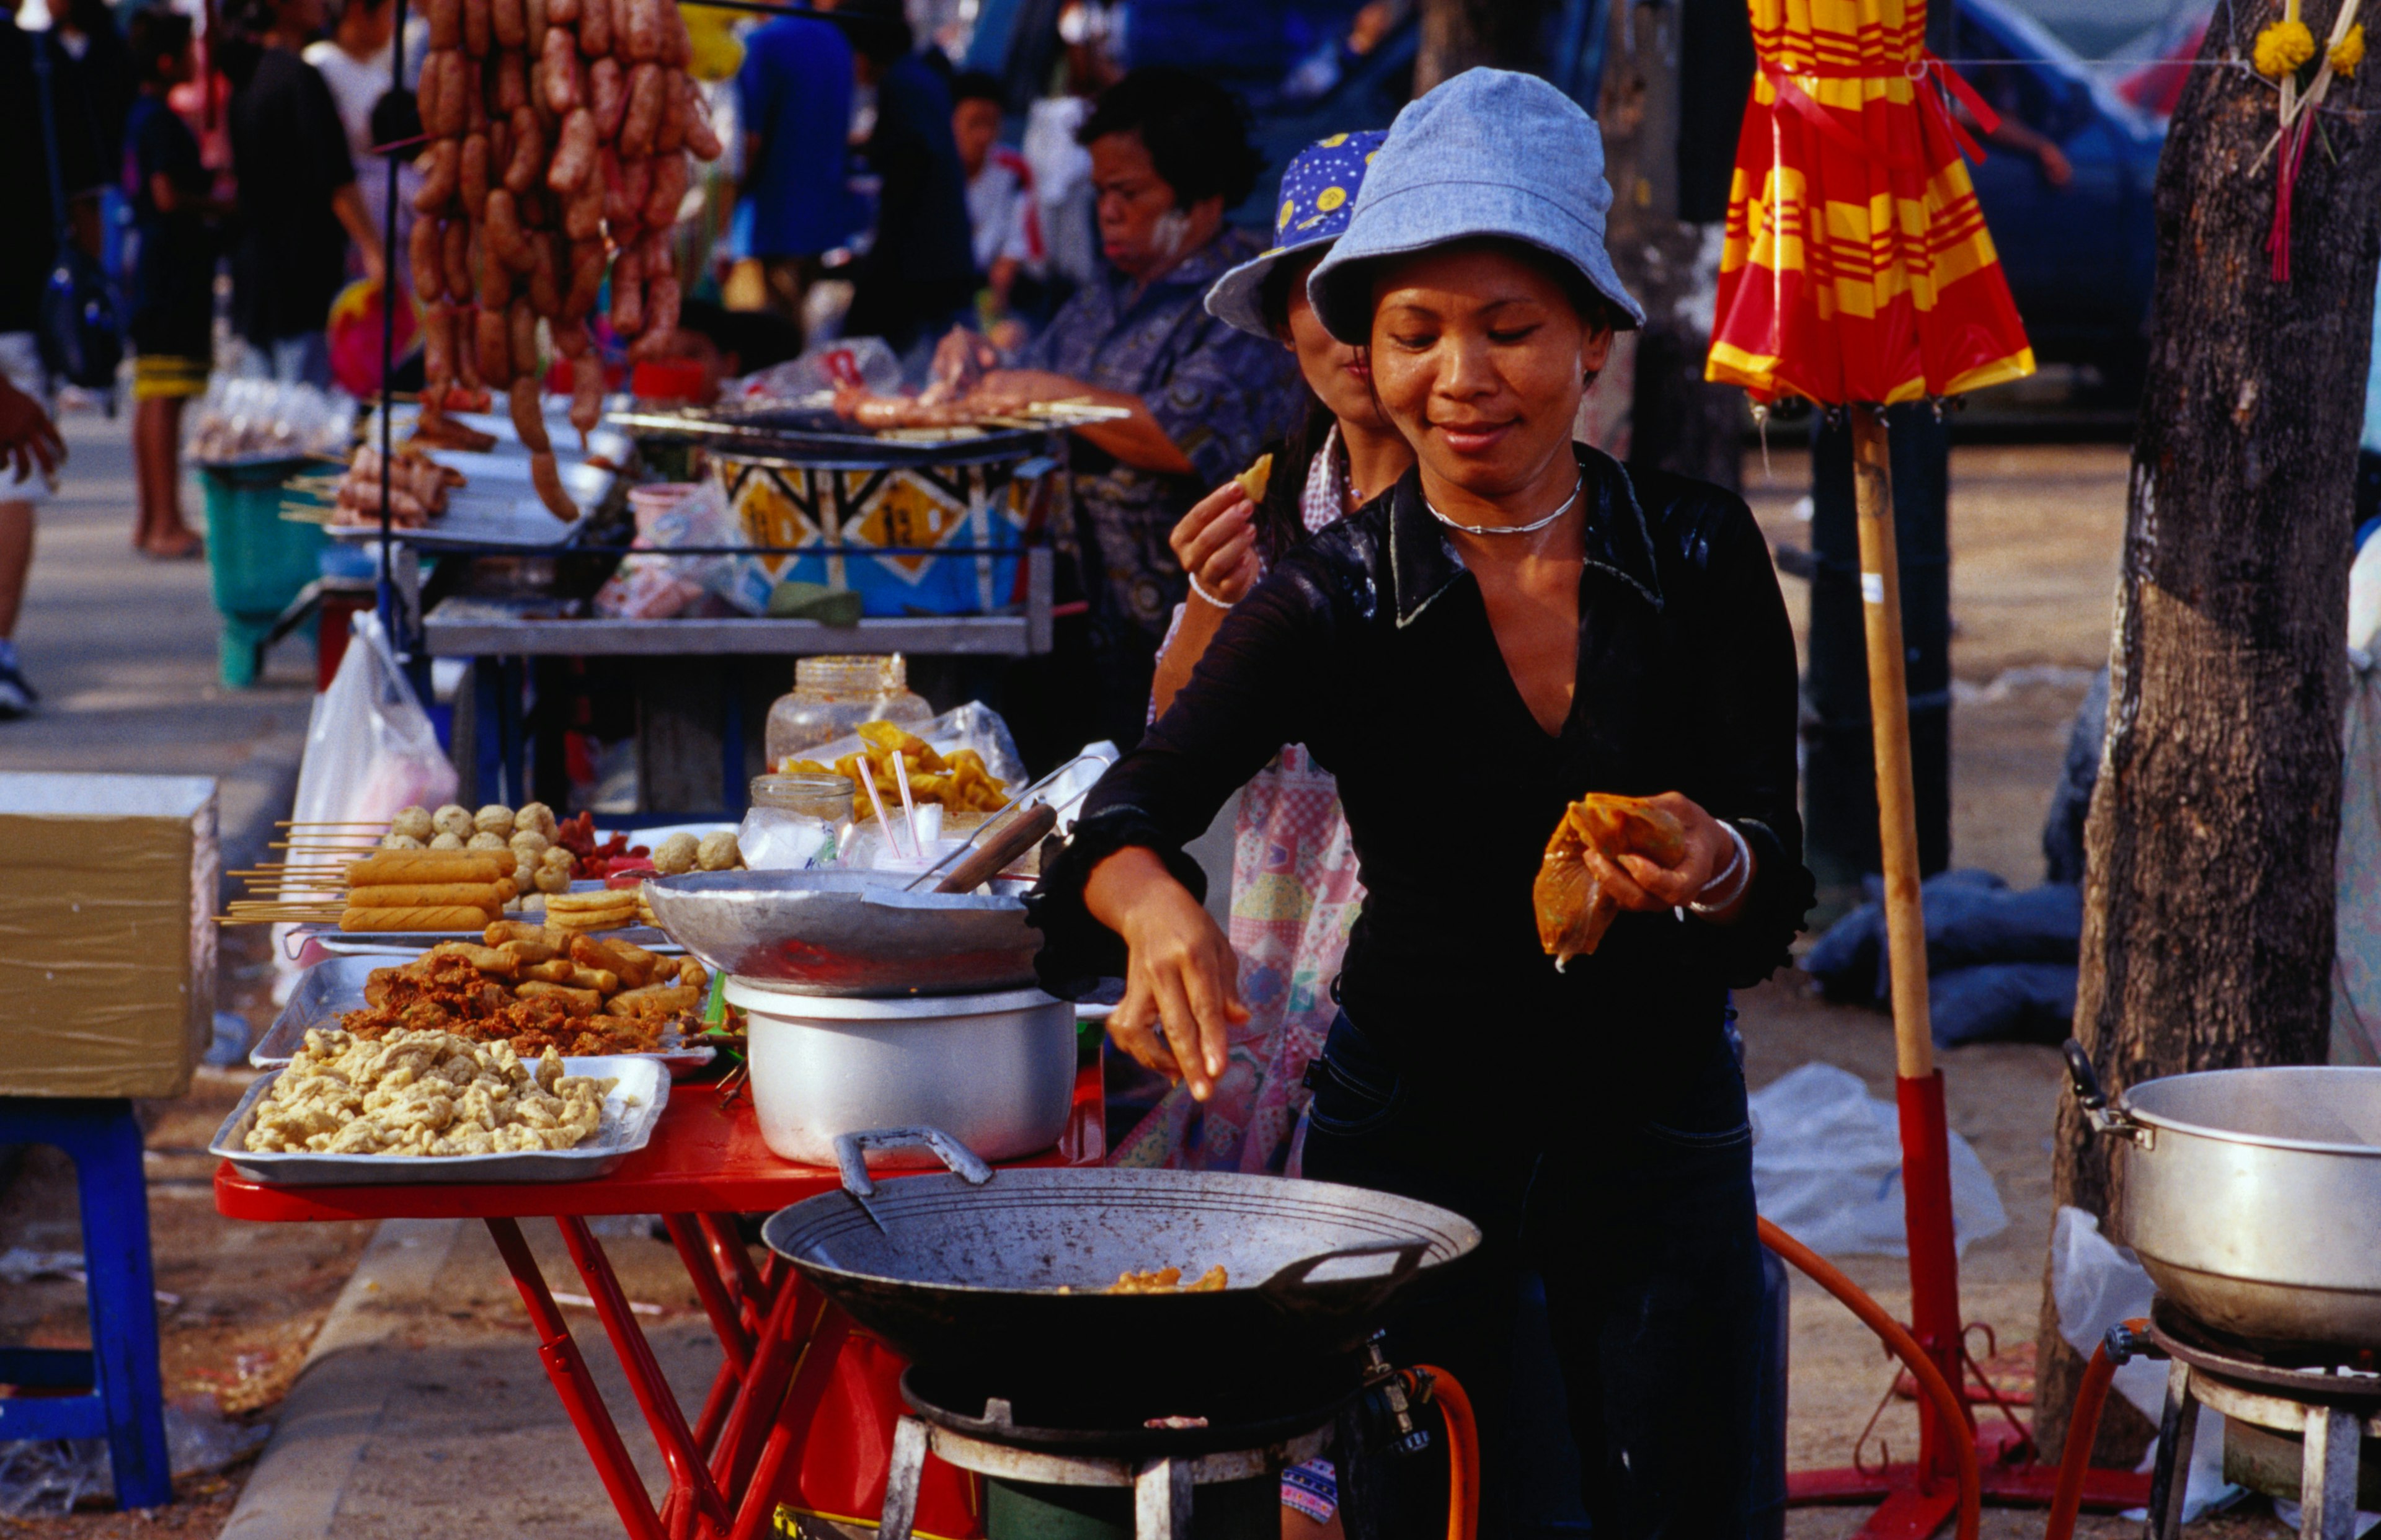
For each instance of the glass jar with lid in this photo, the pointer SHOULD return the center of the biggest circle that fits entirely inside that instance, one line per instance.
(796, 822)
(832, 696)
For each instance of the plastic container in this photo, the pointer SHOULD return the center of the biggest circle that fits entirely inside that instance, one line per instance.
(832, 696)
(258, 561)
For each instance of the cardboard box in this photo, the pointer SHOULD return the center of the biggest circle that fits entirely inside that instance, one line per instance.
(107, 944)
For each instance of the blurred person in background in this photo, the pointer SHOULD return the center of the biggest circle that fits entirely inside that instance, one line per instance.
(793, 96)
(357, 61)
(98, 72)
(1007, 226)
(173, 289)
(28, 441)
(1170, 152)
(919, 274)
(298, 202)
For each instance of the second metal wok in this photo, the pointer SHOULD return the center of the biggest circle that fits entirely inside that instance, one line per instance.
(1001, 1280)
(2253, 1196)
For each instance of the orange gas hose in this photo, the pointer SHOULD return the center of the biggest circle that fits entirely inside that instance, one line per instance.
(2082, 1432)
(1462, 1453)
(1905, 1346)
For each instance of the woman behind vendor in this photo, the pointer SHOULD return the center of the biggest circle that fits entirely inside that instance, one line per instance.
(1518, 622)
(1294, 883)
(1169, 156)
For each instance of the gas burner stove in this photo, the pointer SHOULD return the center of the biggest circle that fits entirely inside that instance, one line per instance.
(1093, 1420)
(2318, 1372)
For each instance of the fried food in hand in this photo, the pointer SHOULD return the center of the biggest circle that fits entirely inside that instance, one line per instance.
(1256, 478)
(1573, 910)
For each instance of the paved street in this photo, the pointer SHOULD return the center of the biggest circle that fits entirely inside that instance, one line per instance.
(123, 650)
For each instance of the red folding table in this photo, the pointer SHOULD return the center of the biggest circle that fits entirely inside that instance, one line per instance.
(785, 1347)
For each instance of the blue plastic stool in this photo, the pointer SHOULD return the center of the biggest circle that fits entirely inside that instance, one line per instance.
(127, 1403)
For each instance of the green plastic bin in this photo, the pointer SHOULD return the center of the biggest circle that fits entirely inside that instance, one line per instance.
(258, 561)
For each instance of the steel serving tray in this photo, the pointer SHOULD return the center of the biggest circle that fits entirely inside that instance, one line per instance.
(329, 990)
(630, 1114)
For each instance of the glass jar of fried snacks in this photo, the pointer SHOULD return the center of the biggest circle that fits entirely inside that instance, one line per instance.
(832, 696)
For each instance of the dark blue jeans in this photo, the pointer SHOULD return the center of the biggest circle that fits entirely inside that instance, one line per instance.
(1645, 1237)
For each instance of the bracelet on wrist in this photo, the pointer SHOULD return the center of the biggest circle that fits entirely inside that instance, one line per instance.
(1729, 883)
(1197, 588)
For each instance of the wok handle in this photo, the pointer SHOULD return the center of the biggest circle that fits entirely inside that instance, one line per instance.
(2094, 1099)
(986, 863)
(2086, 1080)
(851, 1160)
(1285, 1284)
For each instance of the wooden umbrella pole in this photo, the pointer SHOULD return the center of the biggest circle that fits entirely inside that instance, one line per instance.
(1926, 1136)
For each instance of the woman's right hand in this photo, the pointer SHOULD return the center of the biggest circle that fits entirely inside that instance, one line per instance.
(1181, 995)
(1217, 544)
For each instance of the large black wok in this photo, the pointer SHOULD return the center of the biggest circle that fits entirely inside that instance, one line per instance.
(999, 1281)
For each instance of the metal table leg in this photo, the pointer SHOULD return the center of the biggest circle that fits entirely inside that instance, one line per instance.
(567, 1370)
(2328, 1476)
(2170, 1477)
(1161, 1500)
(689, 1477)
(901, 1478)
(808, 1368)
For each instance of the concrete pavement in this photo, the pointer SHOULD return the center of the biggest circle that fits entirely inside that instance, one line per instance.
(123, 650)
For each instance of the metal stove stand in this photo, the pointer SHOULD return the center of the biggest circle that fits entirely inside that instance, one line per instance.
(1163, 1466)
(2331, 1409)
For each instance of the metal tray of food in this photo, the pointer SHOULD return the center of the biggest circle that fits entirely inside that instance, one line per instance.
(387, 943)
(630, 1114)
(329, 990)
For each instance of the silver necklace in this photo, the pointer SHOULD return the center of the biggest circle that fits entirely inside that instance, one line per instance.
(1576, 488)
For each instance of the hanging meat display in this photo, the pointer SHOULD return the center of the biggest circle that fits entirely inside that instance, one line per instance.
(558, 135)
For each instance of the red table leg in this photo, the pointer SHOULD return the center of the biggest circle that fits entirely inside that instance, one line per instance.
(567, 1370)
(784, 1342)
(791, 1421)
(734, 1339)
(689, 1474)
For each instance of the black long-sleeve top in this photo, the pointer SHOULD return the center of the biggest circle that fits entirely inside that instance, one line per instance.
(1370, 644)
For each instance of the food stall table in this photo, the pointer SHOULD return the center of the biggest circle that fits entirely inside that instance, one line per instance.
(704, 1165)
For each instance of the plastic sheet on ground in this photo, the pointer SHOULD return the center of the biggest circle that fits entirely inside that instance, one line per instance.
(51, 1475)
(2097, 1284)
(1826, 1168)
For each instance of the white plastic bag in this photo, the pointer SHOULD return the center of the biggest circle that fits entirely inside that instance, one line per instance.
(1826, 1168)
(973, 725)
(370, 747)
(866, 361)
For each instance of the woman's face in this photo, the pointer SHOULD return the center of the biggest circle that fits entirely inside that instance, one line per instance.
(1141, 230)
(1335, 371)
(1480, 362)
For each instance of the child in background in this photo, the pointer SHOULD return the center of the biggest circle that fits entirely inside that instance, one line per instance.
(173, 279)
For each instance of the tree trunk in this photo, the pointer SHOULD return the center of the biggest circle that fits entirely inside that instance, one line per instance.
(1458, 35)
(2207, 928)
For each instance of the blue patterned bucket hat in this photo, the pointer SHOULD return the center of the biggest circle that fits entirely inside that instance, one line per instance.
(1318, 193)
(1488, 152)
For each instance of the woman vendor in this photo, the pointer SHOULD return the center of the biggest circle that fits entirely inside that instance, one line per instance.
(1518, 622)
(1294, 882)
(1169, 156)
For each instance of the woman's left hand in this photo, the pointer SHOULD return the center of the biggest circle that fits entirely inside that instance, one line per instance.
(1638, 882)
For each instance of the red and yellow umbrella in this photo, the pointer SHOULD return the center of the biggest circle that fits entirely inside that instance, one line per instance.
(1858, 273)
(1857, 266)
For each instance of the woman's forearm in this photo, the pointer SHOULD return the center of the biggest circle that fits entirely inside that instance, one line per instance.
(1201, 620)
(1138, 440)
(1122, 881)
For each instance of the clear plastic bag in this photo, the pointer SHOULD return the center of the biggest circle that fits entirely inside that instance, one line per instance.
(1826, 1168)
(865, 361)
(251, 418)
(973, 725)
(658, 587)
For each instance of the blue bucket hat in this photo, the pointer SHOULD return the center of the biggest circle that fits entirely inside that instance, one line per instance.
(1318, 193)
(1489, 152)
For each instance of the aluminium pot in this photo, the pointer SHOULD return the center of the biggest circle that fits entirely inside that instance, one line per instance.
(997, 1070)
(2253, 1196)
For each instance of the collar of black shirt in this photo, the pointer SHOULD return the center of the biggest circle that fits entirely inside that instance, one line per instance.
(1423, 562)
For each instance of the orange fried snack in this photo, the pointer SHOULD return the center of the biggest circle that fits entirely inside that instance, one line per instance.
(1572, 907)
(961, 783)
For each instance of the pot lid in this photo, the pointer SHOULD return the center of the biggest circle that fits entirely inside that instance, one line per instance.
(775, 1000)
